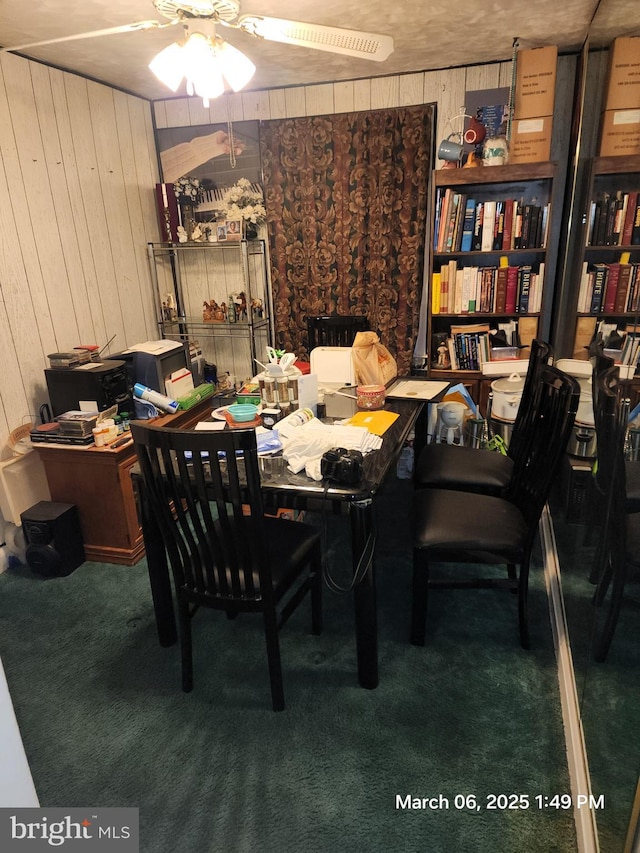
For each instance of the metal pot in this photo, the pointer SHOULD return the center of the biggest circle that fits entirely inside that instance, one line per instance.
(507, 393)
(582, 442)
(502, 428)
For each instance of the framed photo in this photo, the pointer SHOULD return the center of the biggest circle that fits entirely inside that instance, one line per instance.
(221, 231)
(234, 229)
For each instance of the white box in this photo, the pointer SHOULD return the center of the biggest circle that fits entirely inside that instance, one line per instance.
(23, 483)
(178, 383)
(333, 366)
(308, 392)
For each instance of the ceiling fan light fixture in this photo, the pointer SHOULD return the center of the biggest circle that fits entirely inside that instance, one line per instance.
(206, 61)
(167, 66)
(237, 68)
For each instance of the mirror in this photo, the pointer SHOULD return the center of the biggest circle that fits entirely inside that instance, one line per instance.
(607, 690)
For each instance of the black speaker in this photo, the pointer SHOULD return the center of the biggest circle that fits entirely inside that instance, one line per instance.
(54, 538)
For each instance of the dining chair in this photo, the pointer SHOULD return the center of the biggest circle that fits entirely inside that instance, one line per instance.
(204, 489)
(454, 527)
(464, 468)
(334, 330)
(618, 551)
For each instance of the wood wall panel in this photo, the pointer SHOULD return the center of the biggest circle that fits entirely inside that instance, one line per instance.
(78, 166)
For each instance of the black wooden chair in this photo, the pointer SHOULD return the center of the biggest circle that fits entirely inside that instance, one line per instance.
(446, 466)
(465, 527)
(333, 330)
(204, 489)
(618, 550)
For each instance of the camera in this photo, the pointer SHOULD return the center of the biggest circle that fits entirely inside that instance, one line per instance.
(341, 465)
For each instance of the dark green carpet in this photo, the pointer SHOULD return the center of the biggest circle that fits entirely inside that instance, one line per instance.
(105, 723)
(610, 705)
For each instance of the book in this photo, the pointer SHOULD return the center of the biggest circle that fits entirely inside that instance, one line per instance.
(512, 290)
(627, 228)
(524, 284)
(466, 242)
(476, 245)
(488, 224)
(635, 231)
(622, 290)
(507, 233)
(609, 298)
(498, 228)
(435, 293)
(501, 290)
(599, 285)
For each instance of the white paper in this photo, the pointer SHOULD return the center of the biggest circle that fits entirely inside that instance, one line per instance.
(209, 425)
(416, 390)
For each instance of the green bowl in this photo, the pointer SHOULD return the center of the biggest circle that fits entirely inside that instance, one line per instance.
(243, 412)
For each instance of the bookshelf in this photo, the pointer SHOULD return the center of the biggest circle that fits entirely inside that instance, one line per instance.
(491, 231)
(608, 292)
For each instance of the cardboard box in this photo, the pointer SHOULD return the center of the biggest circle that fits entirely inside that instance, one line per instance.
(530, 140)
(535, 81)
(620, 136)
(623, 86)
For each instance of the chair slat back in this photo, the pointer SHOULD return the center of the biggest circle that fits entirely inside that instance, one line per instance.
(541, 353)
(204, 489)
(333, 330)
(610, 415)
(555, 403)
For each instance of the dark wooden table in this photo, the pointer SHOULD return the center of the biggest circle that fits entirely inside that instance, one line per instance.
(299, 492)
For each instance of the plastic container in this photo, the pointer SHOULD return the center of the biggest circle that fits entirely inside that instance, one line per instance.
(243, 412)
(370, 396)
(504, 353)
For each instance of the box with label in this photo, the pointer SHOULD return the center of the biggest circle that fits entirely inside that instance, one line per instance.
(623, 86)
(535, 81)
(530, 140)
(620, 135)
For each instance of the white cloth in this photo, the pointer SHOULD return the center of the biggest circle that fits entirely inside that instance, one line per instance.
(304, 447)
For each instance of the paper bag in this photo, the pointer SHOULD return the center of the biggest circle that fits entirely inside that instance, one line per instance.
(372, 362)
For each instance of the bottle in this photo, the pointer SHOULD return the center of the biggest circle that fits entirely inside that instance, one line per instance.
(126, 421)
(158, 400)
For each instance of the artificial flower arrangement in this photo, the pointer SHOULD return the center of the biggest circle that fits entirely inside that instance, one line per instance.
(188, 190)
(244, 201)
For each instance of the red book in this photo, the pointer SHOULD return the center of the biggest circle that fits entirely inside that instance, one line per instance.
(622, 291)
(512, 290)
(507, 233)
(627, 228)
(501, 290)
(609, 301)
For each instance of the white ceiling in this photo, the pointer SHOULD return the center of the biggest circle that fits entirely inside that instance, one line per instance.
(428, 35)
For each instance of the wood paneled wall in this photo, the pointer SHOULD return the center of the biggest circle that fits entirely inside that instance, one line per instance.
(78, 166)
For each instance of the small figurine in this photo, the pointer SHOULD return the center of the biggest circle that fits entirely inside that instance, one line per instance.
(182, 234)
(256, 308)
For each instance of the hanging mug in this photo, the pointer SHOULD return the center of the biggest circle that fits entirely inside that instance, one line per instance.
(450, 150)
(475, 133)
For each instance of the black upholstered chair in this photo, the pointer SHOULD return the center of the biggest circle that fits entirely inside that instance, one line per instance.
(446, 466)
(333, 330)
(618, 551)
(454, 527)
(204, 489)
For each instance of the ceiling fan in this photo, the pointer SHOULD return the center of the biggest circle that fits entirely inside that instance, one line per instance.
(204, 58)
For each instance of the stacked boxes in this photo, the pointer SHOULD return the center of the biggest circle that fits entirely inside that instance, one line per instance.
(620, 134)
(535, 94)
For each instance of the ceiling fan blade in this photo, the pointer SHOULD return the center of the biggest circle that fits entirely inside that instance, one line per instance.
(124, 28)
(334, 39)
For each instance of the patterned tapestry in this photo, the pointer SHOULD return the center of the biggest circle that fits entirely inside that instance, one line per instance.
(346, 199)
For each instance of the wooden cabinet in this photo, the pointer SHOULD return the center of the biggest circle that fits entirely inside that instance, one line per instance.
(215, 294)
(489, 268)
(98, 481)
(608, 290)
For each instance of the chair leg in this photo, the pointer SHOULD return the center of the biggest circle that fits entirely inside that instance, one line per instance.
(273, 658)
(419, 597)
(603, 642)
(186, 650)
(316, 591)
(523, 594)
